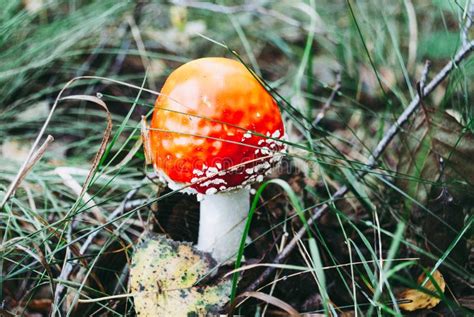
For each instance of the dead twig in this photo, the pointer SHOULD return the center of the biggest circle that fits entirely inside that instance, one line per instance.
(424, 75)
(463, 53)
(329, 101)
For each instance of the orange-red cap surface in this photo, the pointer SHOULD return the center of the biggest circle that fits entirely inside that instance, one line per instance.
(204, 124)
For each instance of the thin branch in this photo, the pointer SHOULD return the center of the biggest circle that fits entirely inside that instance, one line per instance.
(329, 101)
(463, 53)
(424, 75)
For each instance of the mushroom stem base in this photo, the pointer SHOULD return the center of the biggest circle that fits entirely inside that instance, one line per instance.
(222, 223)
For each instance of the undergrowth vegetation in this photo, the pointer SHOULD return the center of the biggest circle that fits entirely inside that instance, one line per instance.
(342, 72)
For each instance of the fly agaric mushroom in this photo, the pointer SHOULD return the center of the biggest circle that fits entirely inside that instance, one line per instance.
(215, 130)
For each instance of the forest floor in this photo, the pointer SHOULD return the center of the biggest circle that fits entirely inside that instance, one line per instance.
(383, 180)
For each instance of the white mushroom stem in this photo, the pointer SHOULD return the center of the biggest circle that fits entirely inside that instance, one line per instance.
(222, 223)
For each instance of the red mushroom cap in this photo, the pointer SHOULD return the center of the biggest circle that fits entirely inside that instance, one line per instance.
(215, 127)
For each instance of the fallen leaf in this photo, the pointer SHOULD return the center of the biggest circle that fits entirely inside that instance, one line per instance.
(163, 277)
(417, 298)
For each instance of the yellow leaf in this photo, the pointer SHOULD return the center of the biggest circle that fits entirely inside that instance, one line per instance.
(163, 276)
(417, 299)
